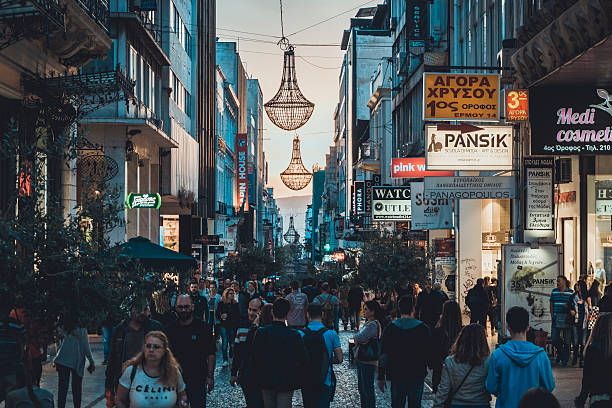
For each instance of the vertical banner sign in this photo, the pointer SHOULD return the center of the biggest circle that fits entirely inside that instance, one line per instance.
(429, 214)
(473, 97)
(353, 209)
(368, 197)
(539, 195)
(603, 197)
(417, 19)
(242, 174)
(517, 105)
(359, 188)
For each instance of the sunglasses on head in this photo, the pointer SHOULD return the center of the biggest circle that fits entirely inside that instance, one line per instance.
(150, 346)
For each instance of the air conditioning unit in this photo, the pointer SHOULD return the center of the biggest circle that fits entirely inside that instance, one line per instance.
(403, 63)
(504, 60)
(563, 171)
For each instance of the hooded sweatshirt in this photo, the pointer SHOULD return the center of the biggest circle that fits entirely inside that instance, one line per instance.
(514, 368)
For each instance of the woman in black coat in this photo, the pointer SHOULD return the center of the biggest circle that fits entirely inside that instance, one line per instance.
(228, 313)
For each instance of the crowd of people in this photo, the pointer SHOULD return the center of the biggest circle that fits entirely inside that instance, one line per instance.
(276, 341)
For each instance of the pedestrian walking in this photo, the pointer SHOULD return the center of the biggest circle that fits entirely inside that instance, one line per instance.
(406, 354)
(324, 349)
(279, 359)
(581, 312)
(605, 304)
(517, 365)
(152, 378)
(367, 352)
(594, 294)
(310, 289)
(478, 302)
(36, 341)
(330, 306)
(465, 371)
(266, 318)
(199, 302)
(242, 372)
(429, 306)
(344, 303)
(228, 314)
(562, 319)
(245, 297)
(126, 342)
(596, 384)
(355, 297)
(12, 341)
(70, 360)
(193, 345)
(493, 303)
(443, 337)
(26, 394)
(299, 303)
(213, 298)
(539, 397)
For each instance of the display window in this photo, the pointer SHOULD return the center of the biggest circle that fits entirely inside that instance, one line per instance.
(496, 230)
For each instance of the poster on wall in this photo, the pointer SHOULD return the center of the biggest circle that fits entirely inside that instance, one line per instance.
(529, 275)
(429, 214)
(469, 147)
(242, 172)
(446, 274)
(539, 212)
(470, 188)
(570, 120)
(391, 203)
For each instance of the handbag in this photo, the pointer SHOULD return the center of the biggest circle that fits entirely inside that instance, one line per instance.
(451, 393)
(593, 317)
(371, 350)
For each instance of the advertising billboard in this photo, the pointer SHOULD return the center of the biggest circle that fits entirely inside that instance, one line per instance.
(539, 207)
(242, 172)
(414, 167)
(391, 203)
(429, 214)
(470, 187)
(517, 105)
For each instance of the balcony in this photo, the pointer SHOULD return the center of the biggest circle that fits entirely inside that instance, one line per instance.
(368, 158)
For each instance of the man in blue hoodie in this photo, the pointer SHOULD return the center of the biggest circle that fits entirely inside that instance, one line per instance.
(517, 365)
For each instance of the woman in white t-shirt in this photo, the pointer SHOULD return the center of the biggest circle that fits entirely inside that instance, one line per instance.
(152, 379)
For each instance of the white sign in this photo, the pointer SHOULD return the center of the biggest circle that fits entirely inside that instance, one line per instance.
(446, 269)
(539, 200)
(228, 243)
(468, 147)
(529, 276)
(603, 197)
(391, 203)
(463, 187)
(429, 214)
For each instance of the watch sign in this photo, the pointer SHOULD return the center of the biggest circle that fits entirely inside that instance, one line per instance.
(137, 200)
(391, 203)
(460, 97)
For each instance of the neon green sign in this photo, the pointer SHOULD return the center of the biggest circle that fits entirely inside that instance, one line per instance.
(146, 200)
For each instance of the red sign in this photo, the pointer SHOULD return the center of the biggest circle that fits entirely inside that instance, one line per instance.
(414, 167)
(338, 256)
(517, 105)
(242, 171)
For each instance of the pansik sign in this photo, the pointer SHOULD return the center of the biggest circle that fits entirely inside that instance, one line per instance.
(391, 203)
(460, 97)
(517, 105)
(429, 214)
(242, 171)
(539, 195)
(136, 200)
(414, 167)
(467, 147)
(529, 276)
(603, 197)
(566, 120)
(478, 188)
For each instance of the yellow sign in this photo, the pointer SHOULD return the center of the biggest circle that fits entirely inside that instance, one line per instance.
(464, 97)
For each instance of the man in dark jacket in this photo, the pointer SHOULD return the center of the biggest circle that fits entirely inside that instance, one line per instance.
(429, 306)
(199, 302)
(406, 353)
(355, 297)
(477, 300)
(309, 288)
(279, 358)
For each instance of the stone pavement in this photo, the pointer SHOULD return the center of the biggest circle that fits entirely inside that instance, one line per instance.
(224, 396)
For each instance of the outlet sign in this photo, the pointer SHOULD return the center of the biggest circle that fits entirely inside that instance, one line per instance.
(391, 203)
(138, 200)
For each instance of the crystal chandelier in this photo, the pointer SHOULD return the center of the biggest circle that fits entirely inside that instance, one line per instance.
(289, 109)
(296, 176)
(291, 236)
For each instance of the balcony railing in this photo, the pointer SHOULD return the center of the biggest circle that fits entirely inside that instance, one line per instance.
(98, 10)
(147, 20)
(367, 152)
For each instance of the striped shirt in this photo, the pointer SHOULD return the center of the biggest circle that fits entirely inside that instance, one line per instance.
(561, 305)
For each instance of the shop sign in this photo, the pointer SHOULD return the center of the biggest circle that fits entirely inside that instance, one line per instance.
(417, 19)
(603, 197)
(517, 105)
(414, 167)
(468, 147)
(539, 214)
(465, 187)
(565, 197)
(429, 214)
(209, 240)
(461, 97)
(391, 203)
(359, 191)
(138, 200)
(529, 276)
(228, 243)
(242, 172)
(216, 249)
(574, 120)
(494, 240)
(368, 196)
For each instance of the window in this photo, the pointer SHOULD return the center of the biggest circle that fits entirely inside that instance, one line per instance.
(179, 27)
(180, 95)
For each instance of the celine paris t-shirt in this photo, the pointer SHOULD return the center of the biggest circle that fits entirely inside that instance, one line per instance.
(149, 392)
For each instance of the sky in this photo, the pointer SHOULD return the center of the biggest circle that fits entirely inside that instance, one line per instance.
(317, 68)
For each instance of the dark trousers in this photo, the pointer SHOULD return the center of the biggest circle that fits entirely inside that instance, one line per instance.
(411, 392)
(317, 397)
(63, 373)
(354, 317)
(478, 316)
(562, 338)
(36, 371)
(365, 384)
(252, 396)
(196, 393)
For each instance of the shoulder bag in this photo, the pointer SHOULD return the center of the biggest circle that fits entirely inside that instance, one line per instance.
(371, 350)
(451, 393)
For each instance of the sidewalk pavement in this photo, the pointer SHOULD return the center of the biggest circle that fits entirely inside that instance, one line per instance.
(568, 382)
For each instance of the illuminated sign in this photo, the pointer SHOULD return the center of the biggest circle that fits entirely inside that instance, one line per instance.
(137, 200)
(517, 105)
(414, 167)
(242, 171)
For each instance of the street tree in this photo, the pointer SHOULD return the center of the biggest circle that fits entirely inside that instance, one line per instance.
(250, 260)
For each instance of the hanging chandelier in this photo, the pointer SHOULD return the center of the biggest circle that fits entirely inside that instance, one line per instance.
(296, 176)
(291, 236)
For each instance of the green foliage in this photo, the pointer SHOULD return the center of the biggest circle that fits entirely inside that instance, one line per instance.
(387, 261)
(254, 259)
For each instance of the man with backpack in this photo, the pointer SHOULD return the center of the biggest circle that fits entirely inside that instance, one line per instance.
(330, 307)
(324, 349)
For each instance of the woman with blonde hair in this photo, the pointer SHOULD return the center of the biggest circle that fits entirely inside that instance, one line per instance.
(228, 313)
(152, 378)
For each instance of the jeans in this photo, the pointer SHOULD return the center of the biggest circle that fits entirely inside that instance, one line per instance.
(277, 399)
(365, 384)
(107, 333)
(227, 339)
(63, 373)
(411, 391)
(196, 393)
(561, 339)
(579, 340)
(252, 395)
(318, 397)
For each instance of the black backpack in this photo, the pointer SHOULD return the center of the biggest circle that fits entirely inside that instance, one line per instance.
(318, 357)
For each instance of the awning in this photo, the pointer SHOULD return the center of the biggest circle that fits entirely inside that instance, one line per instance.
(153, 256)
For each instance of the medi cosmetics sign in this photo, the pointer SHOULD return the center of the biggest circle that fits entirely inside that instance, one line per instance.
(566, 121)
